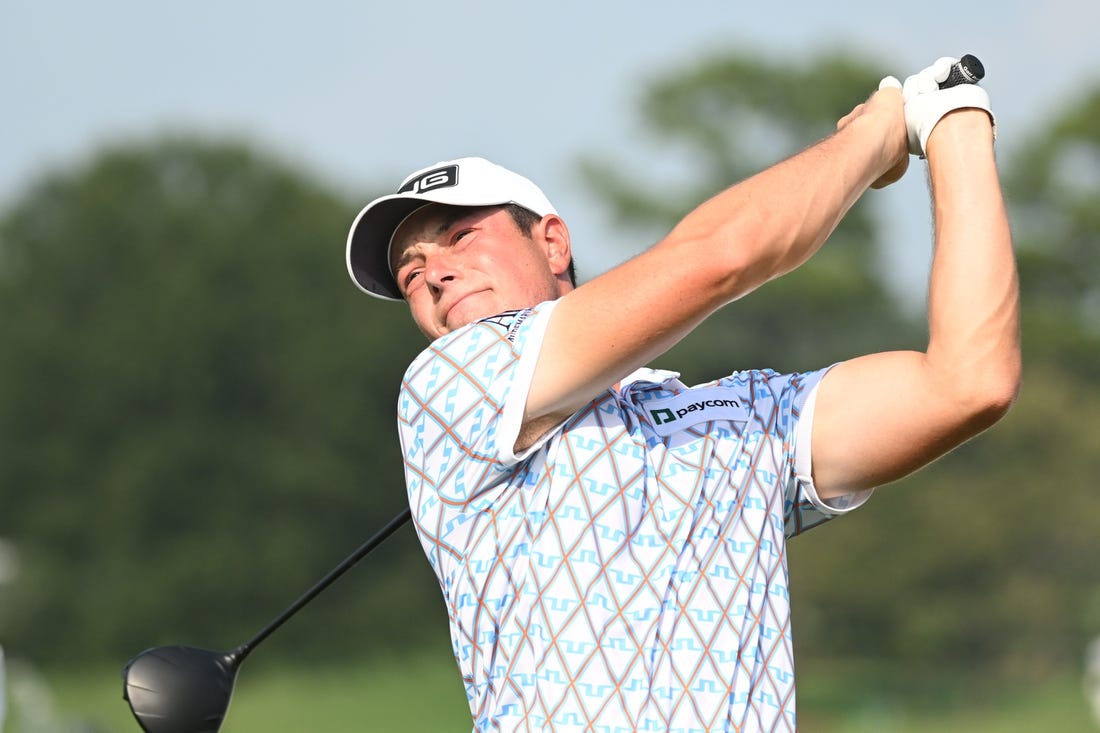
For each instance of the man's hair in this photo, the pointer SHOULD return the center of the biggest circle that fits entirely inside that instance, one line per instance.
(526, 220)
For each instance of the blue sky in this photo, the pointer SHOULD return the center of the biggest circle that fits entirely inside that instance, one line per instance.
(360, 93)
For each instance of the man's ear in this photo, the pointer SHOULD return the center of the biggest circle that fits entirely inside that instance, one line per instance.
(555, 236)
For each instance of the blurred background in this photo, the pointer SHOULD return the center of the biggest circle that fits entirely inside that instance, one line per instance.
(197, 407)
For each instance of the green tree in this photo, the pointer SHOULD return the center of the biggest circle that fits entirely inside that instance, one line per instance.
(1053, 188)
(196, 409)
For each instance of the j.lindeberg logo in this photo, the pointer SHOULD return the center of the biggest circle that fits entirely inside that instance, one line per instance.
(433, 179)
(695, 406)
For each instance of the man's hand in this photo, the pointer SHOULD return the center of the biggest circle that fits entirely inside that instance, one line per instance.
(886, 104)
(926, 104)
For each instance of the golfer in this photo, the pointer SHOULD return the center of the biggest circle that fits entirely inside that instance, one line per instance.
(610, 542)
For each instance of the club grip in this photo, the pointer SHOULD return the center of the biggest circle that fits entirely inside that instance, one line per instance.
(967, 70)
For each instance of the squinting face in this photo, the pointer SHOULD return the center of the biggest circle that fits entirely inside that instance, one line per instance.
(456, 265)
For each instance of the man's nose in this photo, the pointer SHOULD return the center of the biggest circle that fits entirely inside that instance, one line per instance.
(440, 268)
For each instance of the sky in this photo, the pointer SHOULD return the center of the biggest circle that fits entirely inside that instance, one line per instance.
(359, 94)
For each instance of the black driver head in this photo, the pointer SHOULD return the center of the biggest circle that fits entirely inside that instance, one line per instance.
(179, 689)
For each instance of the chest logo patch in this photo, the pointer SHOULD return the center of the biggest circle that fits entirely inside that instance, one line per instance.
(671, 414)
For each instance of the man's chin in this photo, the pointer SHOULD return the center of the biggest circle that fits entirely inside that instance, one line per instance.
(453, 324)
(466, 312)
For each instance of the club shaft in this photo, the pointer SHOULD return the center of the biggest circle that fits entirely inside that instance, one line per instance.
(378, 538)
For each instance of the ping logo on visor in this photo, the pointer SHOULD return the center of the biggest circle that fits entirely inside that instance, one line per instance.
(433, 179)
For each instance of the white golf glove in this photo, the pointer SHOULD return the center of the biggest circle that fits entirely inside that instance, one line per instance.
(926, 103)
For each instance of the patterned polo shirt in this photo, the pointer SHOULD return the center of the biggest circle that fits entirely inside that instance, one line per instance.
(628, 572)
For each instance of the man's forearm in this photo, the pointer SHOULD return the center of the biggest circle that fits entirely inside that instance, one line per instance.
(773, 221)
(973, 306)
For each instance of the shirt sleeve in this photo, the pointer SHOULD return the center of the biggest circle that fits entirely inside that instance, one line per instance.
(461, 405)
(805, 508)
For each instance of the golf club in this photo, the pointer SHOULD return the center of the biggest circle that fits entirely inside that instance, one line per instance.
(180, 689)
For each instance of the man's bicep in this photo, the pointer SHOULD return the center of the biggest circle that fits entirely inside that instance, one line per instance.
(881, 417)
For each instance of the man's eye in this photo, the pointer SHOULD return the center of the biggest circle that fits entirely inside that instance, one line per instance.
(412, 275)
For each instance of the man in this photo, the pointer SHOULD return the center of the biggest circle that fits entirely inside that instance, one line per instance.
(611, 543)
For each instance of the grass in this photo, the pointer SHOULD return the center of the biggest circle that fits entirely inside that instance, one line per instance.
(836, 698)
(417, 694)
(423, 693)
